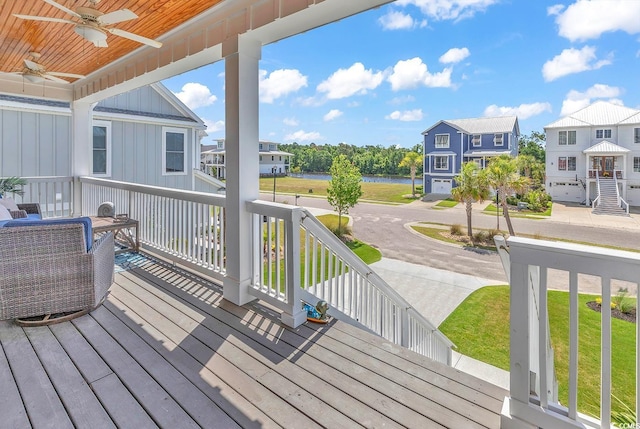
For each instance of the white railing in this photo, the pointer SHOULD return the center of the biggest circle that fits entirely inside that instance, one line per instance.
(298, 258)
(580, 264)
(621, 202)
(53, 193)
(183, 226)
(595, 203)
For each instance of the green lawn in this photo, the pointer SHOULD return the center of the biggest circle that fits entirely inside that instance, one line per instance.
(487, 311)
(383, 192)
(491, 209)
(447, 203)
(367, 253)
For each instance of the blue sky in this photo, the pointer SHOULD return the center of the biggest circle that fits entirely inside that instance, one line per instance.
(386, 75)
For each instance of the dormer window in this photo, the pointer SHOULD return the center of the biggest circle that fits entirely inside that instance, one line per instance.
(497, 140)
(476, 140)
(603, 134)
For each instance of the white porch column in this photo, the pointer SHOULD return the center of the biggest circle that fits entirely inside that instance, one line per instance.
(81, 147)
(242, 169)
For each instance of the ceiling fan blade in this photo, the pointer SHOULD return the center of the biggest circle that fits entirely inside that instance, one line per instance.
(117, 16)
(100, 43)
(54, 79)
(43, 18)
(71, 75)
(33, 66)
(134, 37)
(62, 8)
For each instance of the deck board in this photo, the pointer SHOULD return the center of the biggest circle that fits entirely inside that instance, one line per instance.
(166, 350)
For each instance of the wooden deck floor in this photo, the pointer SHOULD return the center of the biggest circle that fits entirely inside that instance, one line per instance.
(166, 351)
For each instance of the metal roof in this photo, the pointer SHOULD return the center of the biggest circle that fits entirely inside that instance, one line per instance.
(606, 147)
(496, 124)
(442, 153)
(486, 153)
(598, 113)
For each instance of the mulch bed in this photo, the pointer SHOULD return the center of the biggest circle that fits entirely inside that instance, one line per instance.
(464, 239)
(629, 317)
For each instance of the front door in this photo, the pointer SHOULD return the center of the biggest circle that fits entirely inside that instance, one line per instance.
(604, 165)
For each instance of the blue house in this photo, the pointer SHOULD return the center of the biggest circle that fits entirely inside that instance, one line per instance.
(448, 144)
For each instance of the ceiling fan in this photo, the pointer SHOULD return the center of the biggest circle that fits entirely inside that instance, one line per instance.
(36, 73)
(92, 24)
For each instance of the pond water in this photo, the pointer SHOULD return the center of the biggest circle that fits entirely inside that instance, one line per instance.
(378, 179)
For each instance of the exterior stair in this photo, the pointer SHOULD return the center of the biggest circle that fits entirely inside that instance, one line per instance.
(608, 202)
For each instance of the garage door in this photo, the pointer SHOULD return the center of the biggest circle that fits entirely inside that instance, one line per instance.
(441, 186)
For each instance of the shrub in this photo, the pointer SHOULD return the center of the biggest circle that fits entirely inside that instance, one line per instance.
(537, 200)
(456, 229)
(480, 237)
(493, 232)
(419, 189)
(340, 232)
(512, 201)
(622, 301)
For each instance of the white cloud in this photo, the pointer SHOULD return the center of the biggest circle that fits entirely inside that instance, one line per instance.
(213, 125)
(449, 9)
(402, 100)
(522, 111)
(302, 136)
(280, 83)
(576, 100)
(571, 61)
(333, 114)
(395, 20)
(292, 122)
(454, 55)
(587, 19)
(195, 95)
(347, 82)
(412, 73)
(406, 116)
(555, 9)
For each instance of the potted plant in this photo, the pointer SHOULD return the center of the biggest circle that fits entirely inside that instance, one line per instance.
(12, 185)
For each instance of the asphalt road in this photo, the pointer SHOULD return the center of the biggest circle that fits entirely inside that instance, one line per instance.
(383, 226)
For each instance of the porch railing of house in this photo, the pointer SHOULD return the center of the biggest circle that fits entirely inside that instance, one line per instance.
(53, 193)
(578, 263)
(596, 202)
(621, 202)
(179, 225)
(297, 258)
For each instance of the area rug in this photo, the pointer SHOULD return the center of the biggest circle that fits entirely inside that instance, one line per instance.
(129, 260)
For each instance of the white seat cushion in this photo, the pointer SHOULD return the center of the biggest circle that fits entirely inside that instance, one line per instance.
(4, 213)
(9, 204)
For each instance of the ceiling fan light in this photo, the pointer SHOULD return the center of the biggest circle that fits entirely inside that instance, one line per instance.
(90, 33)
(34, 78)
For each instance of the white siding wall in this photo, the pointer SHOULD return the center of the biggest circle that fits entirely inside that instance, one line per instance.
(562, 185)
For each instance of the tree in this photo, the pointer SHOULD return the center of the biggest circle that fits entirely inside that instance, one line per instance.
(413, 160)
(503, 176)
(529, 166)
(471, 186)
(344, 187)
(533, 145)
(12, 185)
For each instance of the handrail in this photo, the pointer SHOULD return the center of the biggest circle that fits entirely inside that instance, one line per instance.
(581, 264)
(621, 202)
(597, 200)
(328, 270)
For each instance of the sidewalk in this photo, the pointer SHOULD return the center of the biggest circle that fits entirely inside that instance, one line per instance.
(435, 294)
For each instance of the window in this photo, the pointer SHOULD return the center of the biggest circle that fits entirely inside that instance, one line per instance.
(636, 164)
(571, 163)
(476, 140)
(566, 137)
(497, 140)
(260, 157)
(272, 158)
(279, 158)
(260, 146)
(174, 146)
(636, 135)
(562, 163)
(478, 162)
(441, 162)
(101, 160)
(603, 134)
(442, 141)
(272, 146)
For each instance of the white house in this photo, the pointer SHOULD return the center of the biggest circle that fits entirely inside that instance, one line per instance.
(271, 159)
(144, 136)
(591, 148)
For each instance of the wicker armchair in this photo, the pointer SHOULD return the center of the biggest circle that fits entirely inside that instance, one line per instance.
(47, 270)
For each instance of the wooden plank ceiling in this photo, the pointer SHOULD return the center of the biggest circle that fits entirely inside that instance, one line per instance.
(62, 50)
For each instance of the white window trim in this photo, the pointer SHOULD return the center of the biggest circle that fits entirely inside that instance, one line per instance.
(575, 163)
(634, 164)
(495, 140)
(604, 132)
(473, 141)
(107, 126)
(441, 168)
(566, 163)
(435, 142)
(634, 135)
(183, 131)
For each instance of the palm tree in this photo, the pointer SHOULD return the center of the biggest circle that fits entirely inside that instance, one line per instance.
(505, 179)
(413, 160)
(530, 167)
(471, 186)
(12, 185)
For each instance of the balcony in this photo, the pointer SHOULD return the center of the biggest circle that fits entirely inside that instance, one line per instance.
(166, 350)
